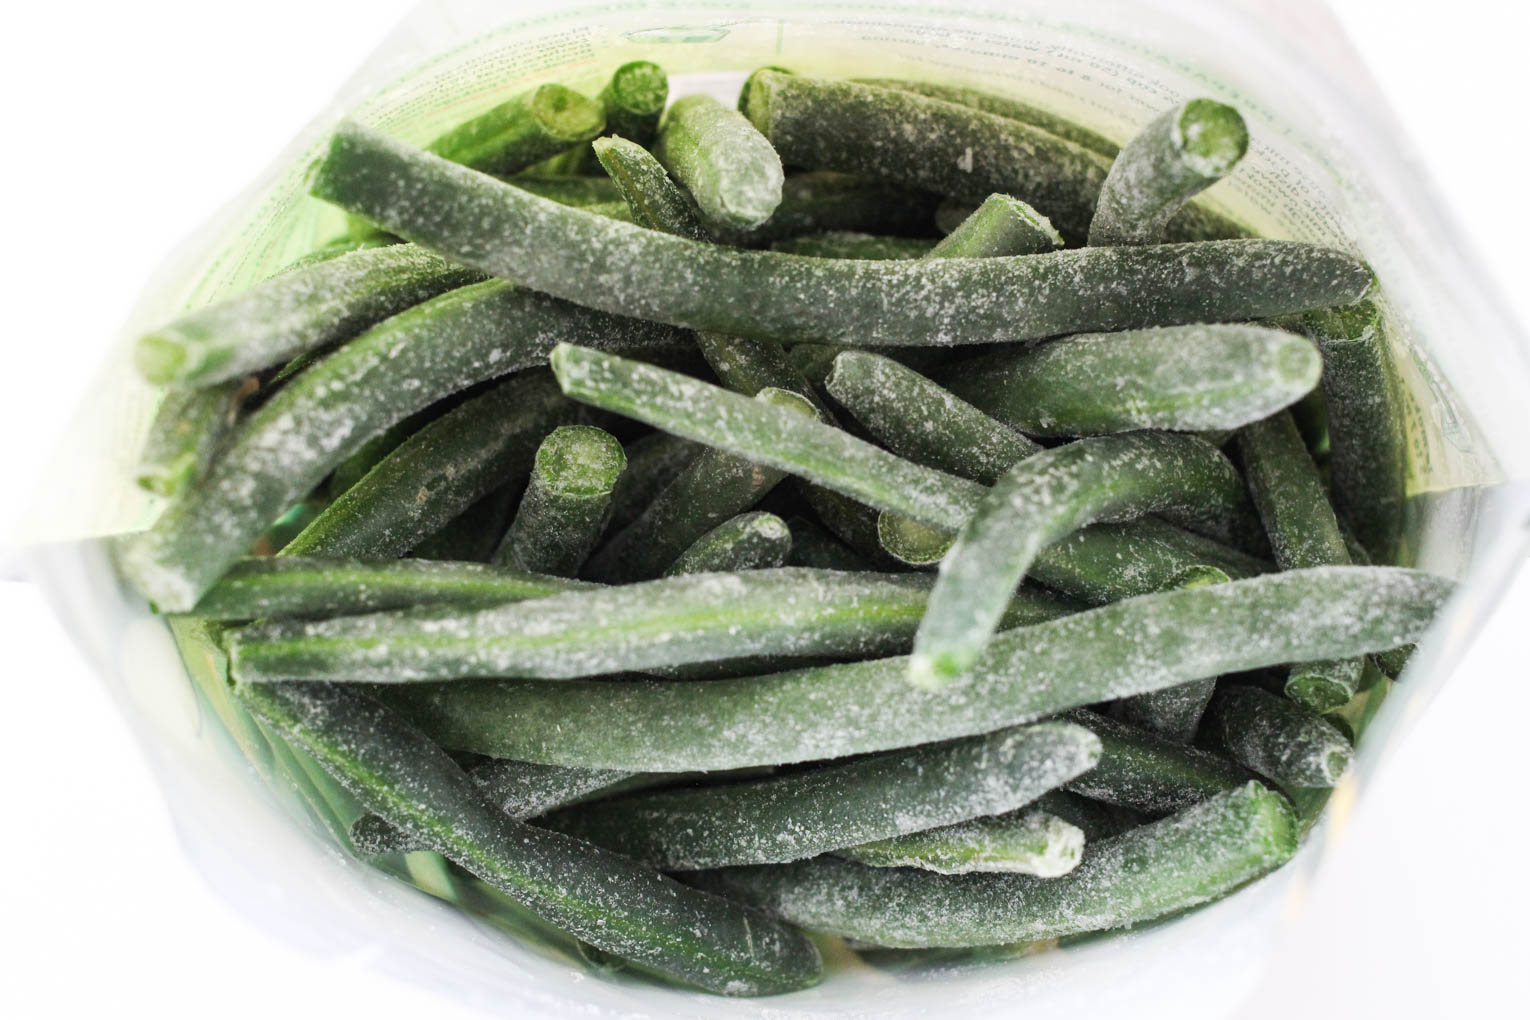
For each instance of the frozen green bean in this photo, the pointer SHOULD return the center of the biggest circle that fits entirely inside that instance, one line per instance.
(751, 541)
(474, 534)
(1005, 106)
(655, 200)
(1275, 737)
(1196, 856)
(1173, 713)
(280, 587)
(523, 130)
(1356, 715)
(717, 155)
(615, 904)
(1104, 562)
(1182, 378)
(634, 100)
(675, 621)
(621, 267)
(910, 542)
(1145, 772)
(1000, 226)
(850, 244)
(184, 436)
(295, 312)
(812, 546)
(653, 461)
(1179, 154)
(853, 708)
(283, 449)
(816, 202)
(1022, 842)
(1304, 532)
(439, 472)
(567, 502)
(579, 190)
(714, 486)
(800, 814)
(1047, 496)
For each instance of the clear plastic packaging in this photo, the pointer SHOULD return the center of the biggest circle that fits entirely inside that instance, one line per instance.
(1327, 165)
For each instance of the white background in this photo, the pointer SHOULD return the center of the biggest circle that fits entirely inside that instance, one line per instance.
(126, 124)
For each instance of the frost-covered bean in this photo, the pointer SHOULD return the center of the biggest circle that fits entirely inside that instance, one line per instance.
(752, 541)
(566, 504)
(1144, 772)
(1275, 737)
(184, 436)
(728, 167)
(523, 130)
(1023, 842)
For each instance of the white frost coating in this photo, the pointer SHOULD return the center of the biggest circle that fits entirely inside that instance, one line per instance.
(729, 168)
(1027, 842)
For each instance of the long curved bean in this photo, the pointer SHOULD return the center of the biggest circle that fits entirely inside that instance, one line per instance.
(439, 472)
(287, 446)
(728, 167)
(853, 708)
(618, 905)
(752, 541)
(1047, 496)
(836, 805)
(1104, 562)
(1179, 154)
(1145, 772)
(297, 311)
(1275, 737)
(670, 622)
(1004, 106)
(567, 501)
(1198, 855)
(1183, 378)
(619, 267)
(1028, 841)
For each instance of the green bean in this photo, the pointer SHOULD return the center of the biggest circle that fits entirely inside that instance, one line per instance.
(474, 534)
(1176, 377)
(910, 542)
(439, 472)
(1005, 106)
(1179, 154)
(837, 805)
(609, 901)
(1145, 772)
(812, 546)
(294, 312)
(1047, 496)
(1394, 660)
(655, 200)
(185, 434)
(578, 191)
(1275, 737)
(1303, 533)
(280, 587)
(670, 622)
(1173, 713)
(1196, 856)
(1356, 715)
(286, 447)
(1104, 562)
(1000, 226)
(634, 100)
(526, 129)
(1021, 842)
(851, 244)
(917, 419)
(520, 789)
(1368, 449)
(336, 247)
(853, 708)
(567, 502)
(816, 202)
(1096, 820)
(371, 453)
(653, 461)
(622, 267)
(728, 167)
(752, 541)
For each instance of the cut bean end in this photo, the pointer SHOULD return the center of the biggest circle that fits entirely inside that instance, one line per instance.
(1212, 136)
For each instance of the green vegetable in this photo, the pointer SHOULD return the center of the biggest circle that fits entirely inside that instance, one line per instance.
(185, 434)
(910, 542)
(622, 267)
(853, 708)
(474, 534)
(278, 587)
(1047, 496)
(1275, 737)
(1180, 153)
(1355, 717)
(526, 129)
(282, 450)
(567, 502)
(439, 472)
(1000, 226)
(634, 100)
(1303, 533)
(1369, 454)
(1145, 772)
(607, 900)
(728, 167)
(714, 486)
(1198, 855)
(800, 814)
(752, 541)
(653, 461)
(655, 200)
(1005, 106)
(297, 311)
(589, 632)
(1176, 377)
(812, 546)
(816, 202)
(1104, 562)
(1173, 713)
(580, 191)
(1022, 842)
(850, 244)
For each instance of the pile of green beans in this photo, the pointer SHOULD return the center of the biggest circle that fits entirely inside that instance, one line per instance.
(621, 522)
